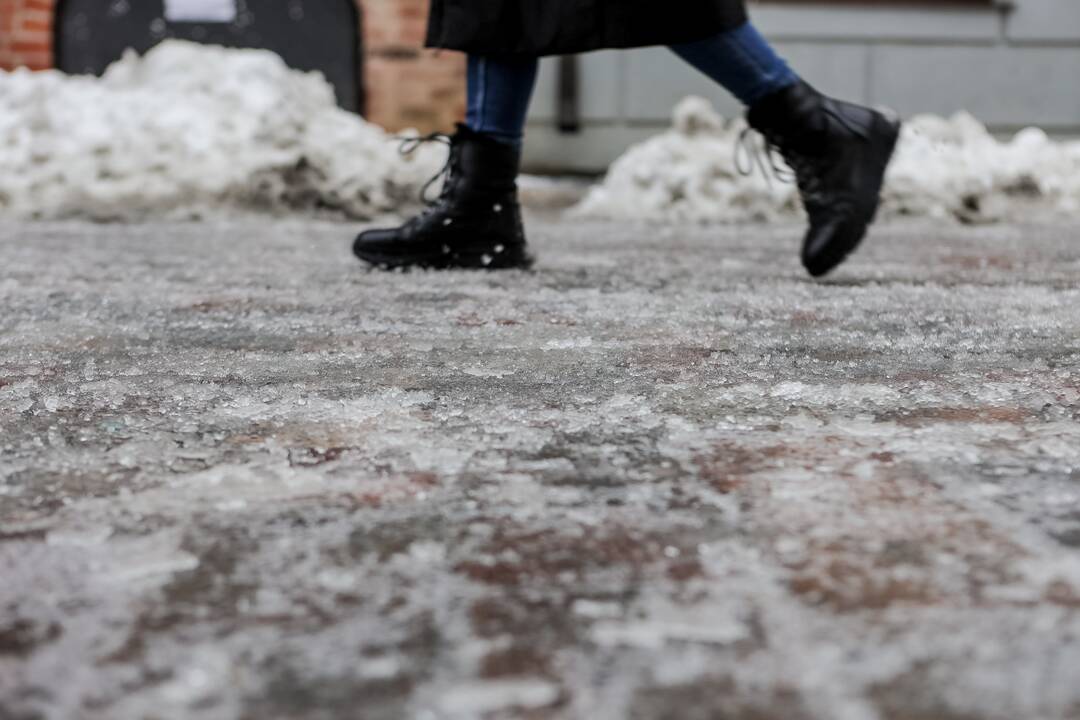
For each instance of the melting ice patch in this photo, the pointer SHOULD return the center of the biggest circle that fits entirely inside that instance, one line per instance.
(944, 167)
(473, 700)
(189, 130)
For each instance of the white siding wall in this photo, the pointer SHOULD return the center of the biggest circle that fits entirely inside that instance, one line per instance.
(1010, 67)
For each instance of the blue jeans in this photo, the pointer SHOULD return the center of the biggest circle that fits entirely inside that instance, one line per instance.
(740, 60)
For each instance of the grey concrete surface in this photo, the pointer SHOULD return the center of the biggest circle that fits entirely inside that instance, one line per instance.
(664, 475)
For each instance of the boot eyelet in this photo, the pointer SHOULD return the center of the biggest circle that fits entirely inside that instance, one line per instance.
(447, 222)
(497, 207)
(499, 249)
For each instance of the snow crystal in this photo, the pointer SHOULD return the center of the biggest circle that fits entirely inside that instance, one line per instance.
(475, 699)
(189, 130)
(943, 168)
(653, 635)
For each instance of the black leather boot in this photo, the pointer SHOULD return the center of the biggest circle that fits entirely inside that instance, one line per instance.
(839, 152)
(474, 223)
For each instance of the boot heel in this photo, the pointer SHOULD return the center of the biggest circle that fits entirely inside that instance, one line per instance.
(888, 125)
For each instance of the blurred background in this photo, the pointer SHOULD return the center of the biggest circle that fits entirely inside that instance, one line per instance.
(1012, 63)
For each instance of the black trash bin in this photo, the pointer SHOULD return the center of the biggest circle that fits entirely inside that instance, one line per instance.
(321, 35)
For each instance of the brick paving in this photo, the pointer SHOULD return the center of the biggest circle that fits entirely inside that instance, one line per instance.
(664, 475)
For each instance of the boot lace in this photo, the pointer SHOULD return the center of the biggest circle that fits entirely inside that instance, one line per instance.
(809, 170)
(754, 151)
(410, 144)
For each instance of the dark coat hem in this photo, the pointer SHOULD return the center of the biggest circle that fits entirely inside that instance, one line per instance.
(442, 35)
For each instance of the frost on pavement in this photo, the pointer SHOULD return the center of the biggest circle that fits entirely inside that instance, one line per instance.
(633, 484)
(944, 168)
(189, 130)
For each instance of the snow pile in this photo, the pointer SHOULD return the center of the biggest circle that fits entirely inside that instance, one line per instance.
(943, 167)
(190, 130)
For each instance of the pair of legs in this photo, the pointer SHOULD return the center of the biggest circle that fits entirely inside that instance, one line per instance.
(838, 153)
(740, 60)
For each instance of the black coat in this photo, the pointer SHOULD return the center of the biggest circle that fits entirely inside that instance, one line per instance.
(557, 27)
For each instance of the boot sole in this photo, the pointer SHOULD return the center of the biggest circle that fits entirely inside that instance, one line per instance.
(462, 260)
(891, 127)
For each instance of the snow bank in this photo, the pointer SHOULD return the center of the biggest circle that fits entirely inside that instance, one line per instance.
(944, 167)
(190, 130)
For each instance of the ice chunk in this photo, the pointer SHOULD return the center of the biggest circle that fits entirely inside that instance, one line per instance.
(189, 130)
(944, 167)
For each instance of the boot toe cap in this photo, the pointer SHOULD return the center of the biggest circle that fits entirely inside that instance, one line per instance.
(828, 244)
(374, 243)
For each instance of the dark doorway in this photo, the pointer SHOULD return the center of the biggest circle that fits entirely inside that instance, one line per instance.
(321, 35)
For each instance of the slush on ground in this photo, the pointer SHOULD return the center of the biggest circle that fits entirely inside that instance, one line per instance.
(663, 475)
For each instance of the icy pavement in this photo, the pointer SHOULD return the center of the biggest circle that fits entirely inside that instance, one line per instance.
(663, 476)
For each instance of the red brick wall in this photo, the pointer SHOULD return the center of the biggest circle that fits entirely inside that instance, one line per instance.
(406, 85)
(26, 33)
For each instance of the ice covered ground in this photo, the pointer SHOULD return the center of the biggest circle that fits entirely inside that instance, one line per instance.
(663, 476)
(944, 168)
(189, 131)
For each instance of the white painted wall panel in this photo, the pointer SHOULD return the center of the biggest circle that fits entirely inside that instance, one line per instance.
(656, 78)
(846, 22)
(1045, 20)
(600, 88)
(1002, 86)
